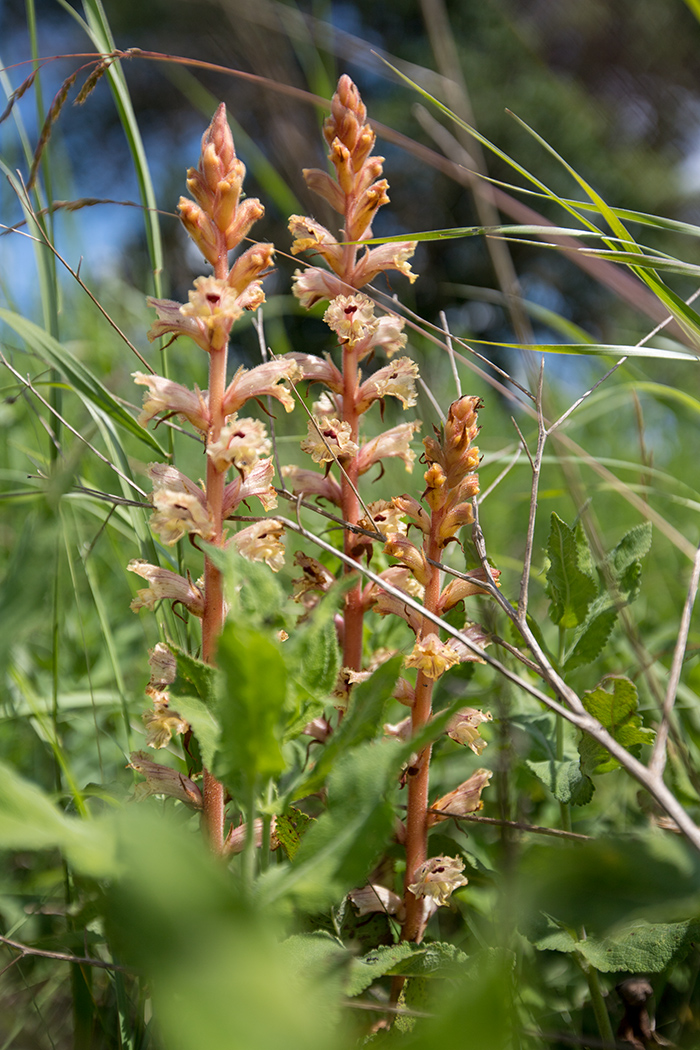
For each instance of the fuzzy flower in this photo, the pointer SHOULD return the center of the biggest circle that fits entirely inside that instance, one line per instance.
(161, 780)
(165, 585)
(375, 898)
(392, 256)
(395, 380)
(328, 440)
(315, 577)
(352, 318)
(313, 285)
(393, 442)
(389, 335)
(180, 506)
(266, 379)
(242, 443)
(311, 483)
(318, 370)
(463, 800)
(463, 728)
(408, 554)
(262, 541)
(431, 656)
(438, 878)
(257, 482)
(161, 723)
(385, 516)
(310, 235)
(163, 395)
(163, 666)
(457, 589)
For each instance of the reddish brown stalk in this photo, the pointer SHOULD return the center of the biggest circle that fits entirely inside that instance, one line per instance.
(213, 618)
(354, 613)
(418, 781)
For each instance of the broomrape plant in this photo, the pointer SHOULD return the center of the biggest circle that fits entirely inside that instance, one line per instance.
(277, 699)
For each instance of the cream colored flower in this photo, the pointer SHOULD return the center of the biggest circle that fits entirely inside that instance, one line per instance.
(431, 656)
(352, 318)
(463, 728)
(161, 723)
(165, 585)
(180, 506)
(311, 483)
(161, 780)
(258, 482)
(314, 284)
(392, 256)
(266, 379)
(394, 380)
(375, 898)
(393, 442)
(463, 800)
(262, 541)
(328, 440)
(163, 395)
(163, 665)
(438, 878)
(242, 443)
(310, 235)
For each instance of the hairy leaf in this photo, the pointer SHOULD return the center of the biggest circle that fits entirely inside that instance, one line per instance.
(564, 779)
(617, 712)
(570, 581)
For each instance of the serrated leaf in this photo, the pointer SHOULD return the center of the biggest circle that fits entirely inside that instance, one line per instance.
(204, 724)
(290, 828)
(592, 640)
(616, 712)
(431, 960)
(251, 706)
(313, 658)
(377, 963)
(564, 779)
(631, 549)
(548, 934)
(199, 675)
(570, 582)
(643, 947)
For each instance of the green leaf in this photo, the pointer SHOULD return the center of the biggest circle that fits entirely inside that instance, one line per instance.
(312, 653)
(341, 846)
(593, 638)
(617, 712)
(377, 963)
(29, 820)
(642, 947)
(290, 828)
(570, 581)
(204, 725)
(199, 675)
(564, 779)
(361, 723)
(624, 562)
(251, 706)
(77, 374)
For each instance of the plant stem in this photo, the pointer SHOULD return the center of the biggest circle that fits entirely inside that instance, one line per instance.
(352, 637)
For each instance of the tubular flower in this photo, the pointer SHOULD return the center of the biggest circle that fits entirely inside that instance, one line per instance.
(163, 666)
(408, 554)
(463, 728)
(180, 506)
(385, 516)
(438, 877)
(242, 443)
(310, 235)
(266, 379)
(262, 541)
(395, 380)
(311, 483)
(463, 800)
(393, 442)
(457, 590)
(161, 723)
(161, 780)
(258, 482)
(352, 318)
(389, 335)
(318, 370)
(163, 395)
(312, 285)
(328, 440)
(165, 585)
(214, 306)
(374, 898)
(431, 656)
(315, 577)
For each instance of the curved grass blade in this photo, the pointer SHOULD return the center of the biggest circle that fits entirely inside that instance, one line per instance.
(77, 374)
